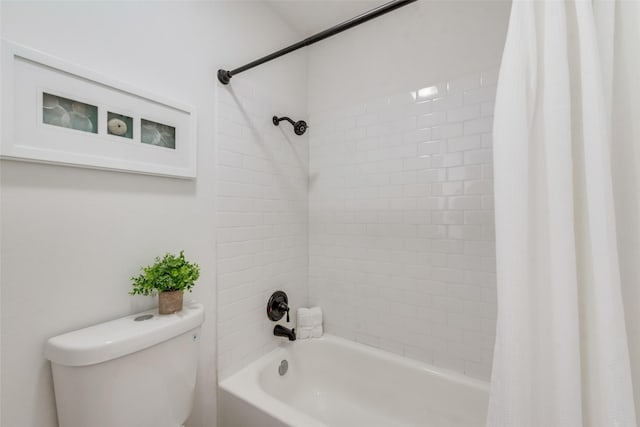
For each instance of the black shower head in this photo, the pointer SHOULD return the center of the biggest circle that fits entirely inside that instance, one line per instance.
(299, 127)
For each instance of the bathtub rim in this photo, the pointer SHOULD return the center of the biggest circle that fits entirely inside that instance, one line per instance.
(244, 384)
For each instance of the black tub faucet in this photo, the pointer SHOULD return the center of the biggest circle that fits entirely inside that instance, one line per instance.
(281, 331)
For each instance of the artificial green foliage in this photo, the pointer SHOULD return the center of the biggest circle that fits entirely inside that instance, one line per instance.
(171, 273)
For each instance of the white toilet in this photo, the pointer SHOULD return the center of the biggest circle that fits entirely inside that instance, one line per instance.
(137, 371)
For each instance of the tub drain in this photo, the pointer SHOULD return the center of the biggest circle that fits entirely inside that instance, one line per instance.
(283, 368)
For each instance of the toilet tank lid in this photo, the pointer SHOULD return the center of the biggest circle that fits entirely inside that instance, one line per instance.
(120, 337)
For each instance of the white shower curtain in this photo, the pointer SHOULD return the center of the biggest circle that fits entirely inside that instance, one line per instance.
(561, 356)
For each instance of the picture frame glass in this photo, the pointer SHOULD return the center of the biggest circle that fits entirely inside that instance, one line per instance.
(69, 113)
(157, 134)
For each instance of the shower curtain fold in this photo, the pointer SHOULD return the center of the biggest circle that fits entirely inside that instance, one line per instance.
(561, 356)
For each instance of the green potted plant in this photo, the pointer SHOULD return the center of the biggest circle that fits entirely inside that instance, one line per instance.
(169, 277)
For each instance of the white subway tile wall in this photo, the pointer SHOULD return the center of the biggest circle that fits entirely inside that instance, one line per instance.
(262, 221)
(401, 224)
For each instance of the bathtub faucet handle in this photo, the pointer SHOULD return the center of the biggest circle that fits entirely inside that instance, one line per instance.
(277, 306)
(283, 307)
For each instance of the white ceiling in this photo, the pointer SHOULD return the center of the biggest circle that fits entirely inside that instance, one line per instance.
(307, 17)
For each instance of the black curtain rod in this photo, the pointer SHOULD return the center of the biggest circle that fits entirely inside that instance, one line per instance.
(224, 75)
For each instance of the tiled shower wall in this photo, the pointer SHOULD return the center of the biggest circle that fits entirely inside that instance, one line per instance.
(261, 206)
(401, 224)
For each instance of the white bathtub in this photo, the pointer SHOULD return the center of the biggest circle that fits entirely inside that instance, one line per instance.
(338, 383)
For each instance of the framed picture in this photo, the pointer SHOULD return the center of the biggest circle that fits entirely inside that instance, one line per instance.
(57, 112)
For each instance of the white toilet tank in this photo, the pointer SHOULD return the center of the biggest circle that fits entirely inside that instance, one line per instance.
(137, 371)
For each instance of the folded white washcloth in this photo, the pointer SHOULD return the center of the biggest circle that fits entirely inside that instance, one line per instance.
(316, 332)
(316, 314)
(309, 323)
(303, 333)
(304, 323)
(305, 318)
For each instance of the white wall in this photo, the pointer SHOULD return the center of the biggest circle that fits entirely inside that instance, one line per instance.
(71, 238)
(402, 252)
(262, 212)
(402, 248)
(426, 41)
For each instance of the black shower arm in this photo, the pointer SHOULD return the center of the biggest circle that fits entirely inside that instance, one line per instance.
(277, 120)
(224, 76)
